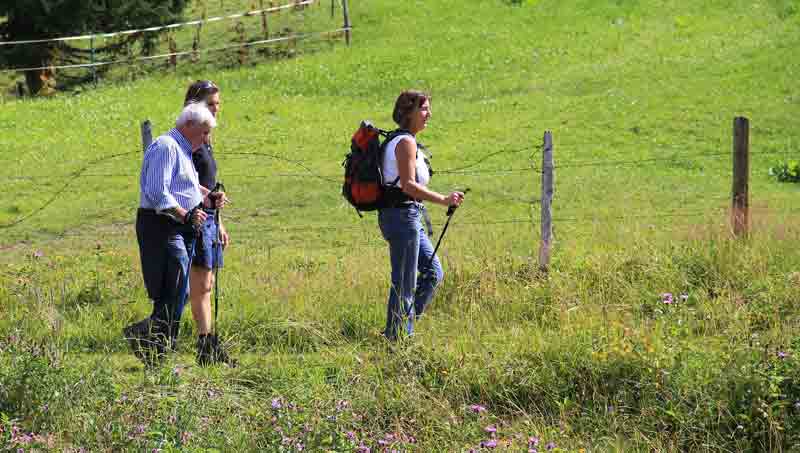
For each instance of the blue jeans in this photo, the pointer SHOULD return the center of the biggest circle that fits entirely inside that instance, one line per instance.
(164, 249)
(410, 253)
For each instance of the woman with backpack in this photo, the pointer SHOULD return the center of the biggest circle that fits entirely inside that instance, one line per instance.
(213, 238)
(406, 174)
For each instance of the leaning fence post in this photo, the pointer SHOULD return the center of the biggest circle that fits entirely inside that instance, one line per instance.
(740, 211)
(346, 11)
(147, 134)
(547, 202)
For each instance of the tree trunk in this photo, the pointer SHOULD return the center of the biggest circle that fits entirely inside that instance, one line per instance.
(35, 81)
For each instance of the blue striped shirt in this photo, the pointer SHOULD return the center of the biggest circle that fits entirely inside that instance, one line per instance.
(168, 177)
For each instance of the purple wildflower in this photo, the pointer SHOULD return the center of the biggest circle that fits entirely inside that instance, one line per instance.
(491, 443)
(550, 445)
(533, 441)
(491, 429)
(477, 408)
(276, 403)
(363, 449)
(350, 435)
(666, 298)
(38, 254)
(782, 354)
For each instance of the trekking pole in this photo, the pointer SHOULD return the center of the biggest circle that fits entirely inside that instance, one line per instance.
(217, 244)
(450, 211)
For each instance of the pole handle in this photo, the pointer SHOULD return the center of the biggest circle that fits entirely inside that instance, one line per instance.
(452, 209)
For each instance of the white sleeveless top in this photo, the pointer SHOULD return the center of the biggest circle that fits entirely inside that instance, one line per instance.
(390, 173)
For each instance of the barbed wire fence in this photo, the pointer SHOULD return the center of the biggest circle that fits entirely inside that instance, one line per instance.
(267, 33)
(545, 173)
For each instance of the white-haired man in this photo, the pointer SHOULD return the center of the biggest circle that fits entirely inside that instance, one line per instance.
(170, 205)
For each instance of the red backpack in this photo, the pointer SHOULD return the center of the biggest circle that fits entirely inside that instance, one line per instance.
(363, 177)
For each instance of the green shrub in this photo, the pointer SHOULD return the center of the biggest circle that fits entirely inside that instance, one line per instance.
(786, 171)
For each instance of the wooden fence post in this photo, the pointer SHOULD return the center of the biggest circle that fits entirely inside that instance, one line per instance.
(147, 134)
(547, 203)
(94, 68)
(243, 48)
(264, 22)
(196, 43)
(346, 11)
(173, 49)
(198, 32)
(740, 211)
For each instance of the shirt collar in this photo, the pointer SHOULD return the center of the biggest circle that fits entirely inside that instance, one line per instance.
(182, 141)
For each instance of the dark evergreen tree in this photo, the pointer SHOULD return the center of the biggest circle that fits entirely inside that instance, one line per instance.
(41, 19)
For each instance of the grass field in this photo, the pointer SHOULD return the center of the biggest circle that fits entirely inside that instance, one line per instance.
(640, 96)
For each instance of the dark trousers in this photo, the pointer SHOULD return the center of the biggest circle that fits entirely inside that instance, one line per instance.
(164, 248)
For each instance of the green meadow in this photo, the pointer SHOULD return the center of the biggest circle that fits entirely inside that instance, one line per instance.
(593, 356)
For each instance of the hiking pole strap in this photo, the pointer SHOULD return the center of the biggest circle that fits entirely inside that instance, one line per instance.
(427, 218)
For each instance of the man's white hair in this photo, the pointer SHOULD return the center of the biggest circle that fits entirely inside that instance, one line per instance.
(196, 113)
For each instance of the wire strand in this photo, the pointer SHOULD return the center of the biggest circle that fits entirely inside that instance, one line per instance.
(161, 27)
(185, 52)
(76, 175)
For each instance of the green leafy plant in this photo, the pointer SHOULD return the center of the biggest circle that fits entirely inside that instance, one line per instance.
(786, 171)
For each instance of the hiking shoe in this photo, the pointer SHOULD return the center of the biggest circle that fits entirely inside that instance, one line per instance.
(146, 341)
(210, 351)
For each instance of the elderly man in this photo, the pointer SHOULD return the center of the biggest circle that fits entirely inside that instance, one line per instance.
(170, 210)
